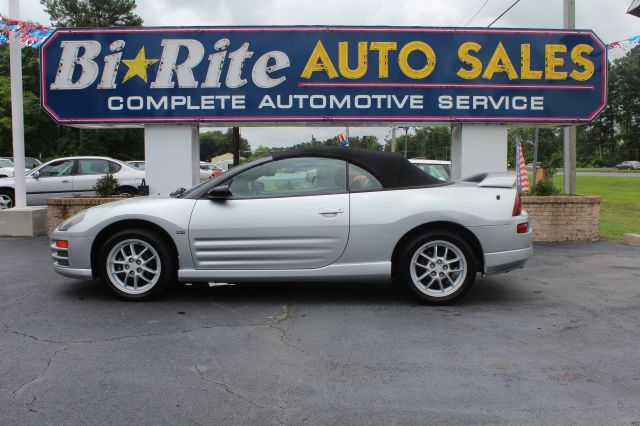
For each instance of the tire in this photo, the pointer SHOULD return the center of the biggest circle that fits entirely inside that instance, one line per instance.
(427, 267)
(7, 199)
(128, 191)
(122, 261)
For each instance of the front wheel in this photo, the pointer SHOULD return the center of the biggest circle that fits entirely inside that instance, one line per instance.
(438, 267)
(6, 199)
(136, 264)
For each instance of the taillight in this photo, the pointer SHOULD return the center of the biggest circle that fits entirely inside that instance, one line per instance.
(517, 206)
(522, 228)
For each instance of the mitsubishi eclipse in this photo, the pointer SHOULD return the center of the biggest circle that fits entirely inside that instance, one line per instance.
(366, 215)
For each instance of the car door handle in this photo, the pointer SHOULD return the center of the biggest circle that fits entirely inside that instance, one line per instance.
(65, 181)
(330, 212)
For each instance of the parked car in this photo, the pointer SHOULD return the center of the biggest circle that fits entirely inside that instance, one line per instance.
(137, 164)
(71, 176)
(208, 170)
(263, 221)
(225, 165)
(530, 165)
(436, 168)
(6, 165)
(628, 165)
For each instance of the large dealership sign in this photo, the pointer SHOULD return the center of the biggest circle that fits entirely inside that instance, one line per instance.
(322, 75)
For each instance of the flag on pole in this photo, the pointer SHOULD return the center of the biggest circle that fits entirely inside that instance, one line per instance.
(522, 177)
(343, 139)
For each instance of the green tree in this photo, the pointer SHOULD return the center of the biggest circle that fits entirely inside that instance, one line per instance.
(216, 143)
(92, 13)
(38, 127)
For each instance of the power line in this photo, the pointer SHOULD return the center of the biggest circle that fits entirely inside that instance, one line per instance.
(503, 13)
(477, 11)
(469, 13)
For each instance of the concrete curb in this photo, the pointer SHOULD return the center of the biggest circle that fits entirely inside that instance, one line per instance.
(631, 239)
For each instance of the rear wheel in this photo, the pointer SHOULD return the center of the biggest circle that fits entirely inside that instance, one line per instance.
(438, 267)
(136, 264)
(128, 191)
(7, 199)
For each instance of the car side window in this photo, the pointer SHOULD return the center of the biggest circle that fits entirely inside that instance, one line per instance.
(57, 168)
(114, 167)
(362, 180)
(93, 167)
(290, 177)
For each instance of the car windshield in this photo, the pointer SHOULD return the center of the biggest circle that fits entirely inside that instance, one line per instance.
(5, 162)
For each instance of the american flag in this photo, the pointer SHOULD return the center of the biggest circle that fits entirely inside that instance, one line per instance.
(522, 177)
(342, 138)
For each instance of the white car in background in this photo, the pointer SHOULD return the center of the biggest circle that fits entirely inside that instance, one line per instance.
(207, 170)
(6, 168)
(71, 176)
(437, 168)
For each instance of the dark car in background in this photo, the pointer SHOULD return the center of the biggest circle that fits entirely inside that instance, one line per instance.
(628, 165)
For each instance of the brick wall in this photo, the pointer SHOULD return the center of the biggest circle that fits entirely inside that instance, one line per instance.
(61, 209)
(564, 217)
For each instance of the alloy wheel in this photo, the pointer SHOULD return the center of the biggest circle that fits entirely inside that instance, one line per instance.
(438, 268)
(134, 266)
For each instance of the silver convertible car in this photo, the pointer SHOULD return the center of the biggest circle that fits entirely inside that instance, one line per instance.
(367, 215)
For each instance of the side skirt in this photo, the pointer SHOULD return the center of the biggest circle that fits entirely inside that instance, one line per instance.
(374, 271)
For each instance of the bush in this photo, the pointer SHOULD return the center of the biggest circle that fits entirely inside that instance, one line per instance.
(107, 186)
(545, 188)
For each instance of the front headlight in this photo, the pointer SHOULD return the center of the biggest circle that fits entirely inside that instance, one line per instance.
(72, 221)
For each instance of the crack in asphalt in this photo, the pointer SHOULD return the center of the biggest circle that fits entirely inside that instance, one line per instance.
(227, 388)
(133, 336)
(18, 391)
(31, 403)
(286, 313)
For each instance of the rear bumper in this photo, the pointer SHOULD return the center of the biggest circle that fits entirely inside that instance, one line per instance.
(505, 261)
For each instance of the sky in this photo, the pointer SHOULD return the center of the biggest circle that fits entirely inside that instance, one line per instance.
(607, 18)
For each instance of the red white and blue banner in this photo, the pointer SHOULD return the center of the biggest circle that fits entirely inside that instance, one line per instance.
(522, 176)
(343, 139)
(30, 34)
(322, 75)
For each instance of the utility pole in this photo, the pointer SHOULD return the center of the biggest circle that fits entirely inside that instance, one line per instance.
(569, 16)
(406, 140)
(17, 110)
(393, 139)
(535, 156)
(236, 146)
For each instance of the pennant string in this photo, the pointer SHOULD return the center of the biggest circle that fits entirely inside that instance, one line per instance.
(30, 34)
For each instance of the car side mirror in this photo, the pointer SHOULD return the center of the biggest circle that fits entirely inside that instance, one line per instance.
(36, 175)
(221, 192)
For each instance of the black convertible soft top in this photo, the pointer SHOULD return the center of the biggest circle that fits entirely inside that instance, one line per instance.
(392, 169)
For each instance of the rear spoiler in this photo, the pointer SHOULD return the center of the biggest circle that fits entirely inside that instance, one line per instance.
(493, 180)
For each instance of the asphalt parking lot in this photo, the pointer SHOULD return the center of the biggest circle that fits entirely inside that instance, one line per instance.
(555, 342)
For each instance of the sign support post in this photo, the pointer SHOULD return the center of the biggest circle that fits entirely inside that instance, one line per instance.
(569, 132)
(17, 114)
(477, 148)
(172, 157)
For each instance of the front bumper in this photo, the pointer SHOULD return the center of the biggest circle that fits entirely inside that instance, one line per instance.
(82, 274)
(74, 261)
